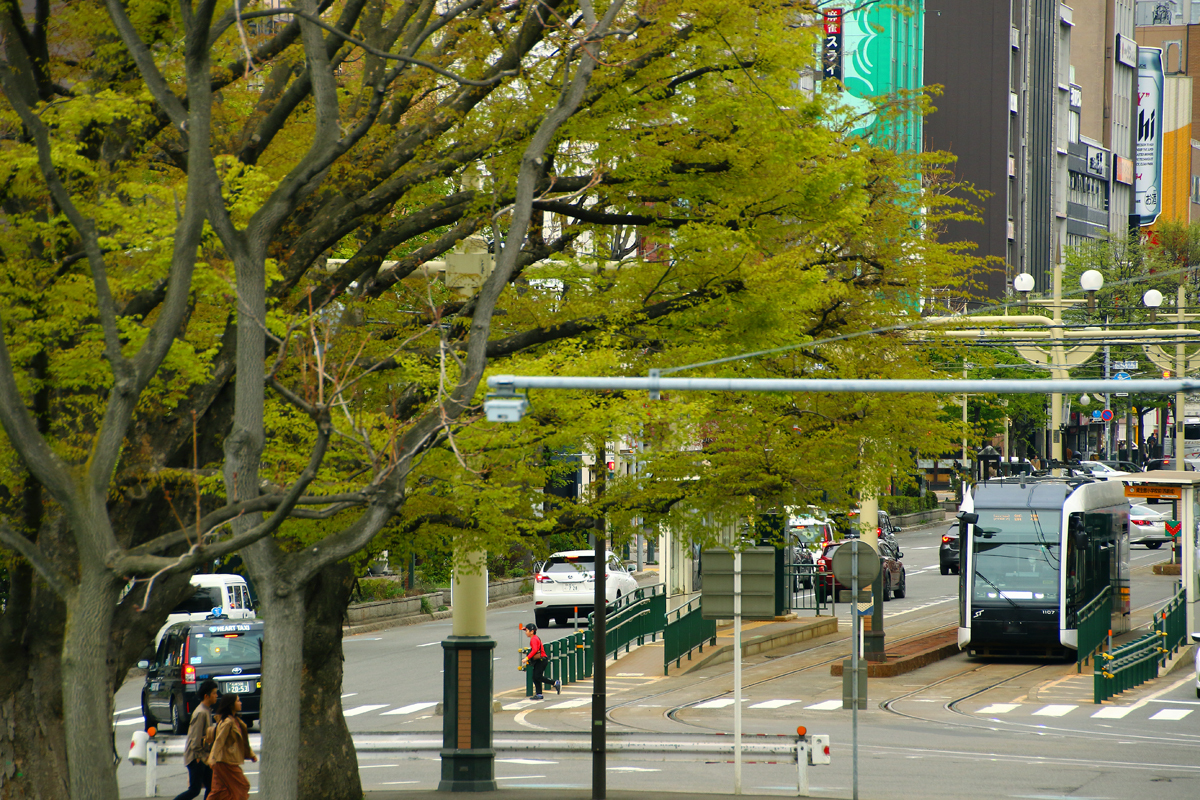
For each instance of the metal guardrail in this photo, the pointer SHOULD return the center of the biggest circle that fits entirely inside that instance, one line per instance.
(808, 587)
(686, 631)
(170, 751)
(1092, 623)
(1138, 661)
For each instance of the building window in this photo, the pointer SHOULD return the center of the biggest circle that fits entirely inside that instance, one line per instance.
(1073, 126)
(1196, 189)
(1086, 190)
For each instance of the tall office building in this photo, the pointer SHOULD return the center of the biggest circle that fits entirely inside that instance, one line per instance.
(1038, 107)
(875, 50)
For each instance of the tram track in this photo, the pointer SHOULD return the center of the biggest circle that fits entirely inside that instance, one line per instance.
(841, 643)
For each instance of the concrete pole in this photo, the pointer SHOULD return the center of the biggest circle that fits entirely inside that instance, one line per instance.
(873, 636)
(470, 592)
(1180, 368)
(1058, 370)
(468, 757)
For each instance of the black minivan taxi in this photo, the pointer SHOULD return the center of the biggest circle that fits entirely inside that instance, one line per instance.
(227, 650)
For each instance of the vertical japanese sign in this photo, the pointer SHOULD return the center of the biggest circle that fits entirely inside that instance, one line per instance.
(831, 55)
(1147, 178)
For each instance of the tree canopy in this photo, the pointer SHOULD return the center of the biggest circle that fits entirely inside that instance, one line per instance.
(224, 327)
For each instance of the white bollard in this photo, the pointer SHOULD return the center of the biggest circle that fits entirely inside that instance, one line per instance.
(151, 769)
(802, 766)
(137, 747)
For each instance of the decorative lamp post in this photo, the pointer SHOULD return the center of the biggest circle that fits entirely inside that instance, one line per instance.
(1023, 283)
(1091, 282)
(1152, 300)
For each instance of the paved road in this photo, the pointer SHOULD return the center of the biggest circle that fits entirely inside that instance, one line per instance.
(957, 728)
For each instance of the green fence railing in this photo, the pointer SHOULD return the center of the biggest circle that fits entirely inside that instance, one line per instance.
(1138, 661)
(628, 620)
(1170, 623)
(1092, 623)
(686, 631)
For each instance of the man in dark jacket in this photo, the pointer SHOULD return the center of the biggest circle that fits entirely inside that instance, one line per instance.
(195, 752)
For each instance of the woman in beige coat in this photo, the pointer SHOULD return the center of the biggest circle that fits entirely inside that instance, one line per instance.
(230, 749)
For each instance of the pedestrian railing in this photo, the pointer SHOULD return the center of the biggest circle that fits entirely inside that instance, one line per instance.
(629, 620)
(1170, 622)
(686, 631)
(633, 618)
(803, 584)
(1133, 664)
(1092, 623)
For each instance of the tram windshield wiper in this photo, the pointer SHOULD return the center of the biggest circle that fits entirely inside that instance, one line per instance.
(999, 591)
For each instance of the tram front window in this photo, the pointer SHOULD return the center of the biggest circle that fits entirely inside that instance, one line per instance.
(1016, 556)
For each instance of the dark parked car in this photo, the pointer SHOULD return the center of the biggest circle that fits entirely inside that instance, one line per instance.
(891, 567)
(948, 555)
(1167, 463)
(847, 524)
(227, 650)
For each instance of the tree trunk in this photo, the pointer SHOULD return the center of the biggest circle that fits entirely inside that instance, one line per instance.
(329, 770)
(87, 693)
(33, 742)
(282, 657)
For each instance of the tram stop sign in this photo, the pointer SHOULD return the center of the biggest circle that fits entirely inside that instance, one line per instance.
(843, 563)
(1174, 528)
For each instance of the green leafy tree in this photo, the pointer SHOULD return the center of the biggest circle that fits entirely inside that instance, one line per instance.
(656, 189)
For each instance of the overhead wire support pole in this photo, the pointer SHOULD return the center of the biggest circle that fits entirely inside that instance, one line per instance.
(864, 385)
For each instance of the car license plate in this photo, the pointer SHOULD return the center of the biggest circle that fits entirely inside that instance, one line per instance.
(237, 687)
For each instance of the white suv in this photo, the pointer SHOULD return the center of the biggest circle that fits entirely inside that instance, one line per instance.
(565, 585)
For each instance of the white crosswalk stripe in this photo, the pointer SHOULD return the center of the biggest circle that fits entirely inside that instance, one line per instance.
(354, 712)
(718, 703)
(1054, 711)
(998, 708)
(576, 703)
(774, 704)
(1173, 714)
(1112, 712)
(826, 705)
(409, 709)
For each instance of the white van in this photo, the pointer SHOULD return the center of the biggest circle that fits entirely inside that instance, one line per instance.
(229, 593)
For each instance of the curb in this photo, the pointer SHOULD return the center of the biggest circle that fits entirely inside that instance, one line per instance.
(822, 626)
(937, 651)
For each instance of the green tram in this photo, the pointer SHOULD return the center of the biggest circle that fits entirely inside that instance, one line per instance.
(1034, 552)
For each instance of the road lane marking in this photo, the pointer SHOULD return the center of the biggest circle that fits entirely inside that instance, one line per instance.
(354, 712)
(126, 711)
(998, 708)
(827, 705)
(135, 721)
(774, 704)
(409, 709)
(428, 644)
(518, 777)
(1054, 711)
(351, 694)
(1112, 712)
(376, 766)
(523, 761)
(1174, 714)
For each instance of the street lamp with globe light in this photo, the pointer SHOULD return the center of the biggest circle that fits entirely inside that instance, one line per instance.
(1091, 282)
(1023, 283)
(1152, 299)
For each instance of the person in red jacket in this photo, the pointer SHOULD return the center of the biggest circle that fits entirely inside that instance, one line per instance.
(538, 659)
